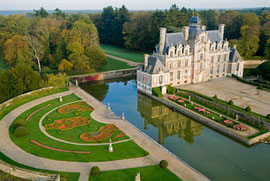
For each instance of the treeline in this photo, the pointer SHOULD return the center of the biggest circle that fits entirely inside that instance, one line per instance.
(56, 41)
(249, 28)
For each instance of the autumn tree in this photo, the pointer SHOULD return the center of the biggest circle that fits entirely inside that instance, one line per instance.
(96, 57)
(65, 66)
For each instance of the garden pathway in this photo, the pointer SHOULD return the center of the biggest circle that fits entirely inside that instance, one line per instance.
(129, 62)
(102, 114)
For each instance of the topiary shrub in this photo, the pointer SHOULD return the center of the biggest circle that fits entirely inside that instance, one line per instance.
(20, 131)
(268, 116)
(163, 164)
(171, 90)
(95, 171)
(157, 91)
(248, 109)
(146, 153)
(215, 97)
(19, 122)
(260, 86)
(230, 102)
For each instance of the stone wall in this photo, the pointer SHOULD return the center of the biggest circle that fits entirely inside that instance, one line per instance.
(105, 75)
(27, 174)
(209, 122)
(252, 63)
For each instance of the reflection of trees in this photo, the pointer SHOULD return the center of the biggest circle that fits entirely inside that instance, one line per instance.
(99, 89)
(168, 122)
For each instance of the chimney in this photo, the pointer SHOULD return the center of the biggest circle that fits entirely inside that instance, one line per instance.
(146, 57)
(221, 30)
(162, 40)
(186, 32)
(234, 46)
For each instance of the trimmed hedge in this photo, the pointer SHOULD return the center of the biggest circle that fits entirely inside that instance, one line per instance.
(171, 90)
(21, 131)
(163, 164)
(251, 82)
(230, 102)
(95, 171)
(157, 92)
(19, 122)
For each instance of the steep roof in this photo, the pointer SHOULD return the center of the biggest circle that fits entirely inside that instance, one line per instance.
(154, 66)
(173, 39)
(234, 55)
(214, 35)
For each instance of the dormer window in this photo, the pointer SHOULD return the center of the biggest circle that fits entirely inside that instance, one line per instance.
(171, 53)
(179, 53)
(186, 52)
(219, 58)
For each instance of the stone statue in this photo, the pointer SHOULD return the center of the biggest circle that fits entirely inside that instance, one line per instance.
(110, 146)
(76, 83)
(123, 116)
(138, 177)
(60, 99)
(109, 106)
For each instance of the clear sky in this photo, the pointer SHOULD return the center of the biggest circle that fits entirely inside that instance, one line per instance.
(130, 4)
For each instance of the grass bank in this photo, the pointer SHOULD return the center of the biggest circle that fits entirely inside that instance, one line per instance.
(123, 53)
(113, 64)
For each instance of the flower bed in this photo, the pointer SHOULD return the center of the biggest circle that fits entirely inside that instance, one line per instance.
(240, 127)
(55, 149)
(36, 112)
(80, 106)
(68, 123)
(103, 133)
(119, 135)
(173, 97)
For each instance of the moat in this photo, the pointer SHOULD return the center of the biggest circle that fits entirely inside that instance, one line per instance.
(211, 153)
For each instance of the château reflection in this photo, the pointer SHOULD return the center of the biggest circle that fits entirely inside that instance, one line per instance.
(168, 122)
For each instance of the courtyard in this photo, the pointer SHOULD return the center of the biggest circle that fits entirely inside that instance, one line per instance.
(241, 94)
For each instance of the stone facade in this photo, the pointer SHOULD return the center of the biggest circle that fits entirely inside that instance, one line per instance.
(192, 56)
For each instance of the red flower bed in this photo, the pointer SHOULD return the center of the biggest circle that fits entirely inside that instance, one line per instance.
(55, 149)
(36, 112)
(181, 101)
(80, 106)
(240, 127)
(119, 135)
(68, 123)
(173, 97)
(201, 110)
(103, 133)
(228, 121)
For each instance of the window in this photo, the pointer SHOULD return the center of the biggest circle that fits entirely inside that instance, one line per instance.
(201, 66)
(218, 68)
(186, 63)
(179, 53)
(212, 70)
(179, 63)
(238, 67)
(171, 54)
(212, 48)
(225, 57)
(212, 60)
(224, 67)
(178, 75)
(171, 65)
(219, 58)
(161, 79)
(186, 73)
(201, 56)
(186, 52)
(171, 76)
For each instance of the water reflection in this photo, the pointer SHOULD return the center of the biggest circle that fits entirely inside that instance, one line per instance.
(169, 123)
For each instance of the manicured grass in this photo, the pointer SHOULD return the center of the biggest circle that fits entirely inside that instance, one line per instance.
(98, 153)
(3, 65)
(70, 176)
(27, 98)
(147, 173)
(114, 65)
(123, 53)
(73, 135)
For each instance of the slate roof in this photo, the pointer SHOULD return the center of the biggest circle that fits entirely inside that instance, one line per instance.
(234, 55)
(214, 35)
(154, 66)
(173, 39)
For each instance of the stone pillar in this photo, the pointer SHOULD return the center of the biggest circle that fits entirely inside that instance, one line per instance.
(163, 90)
(60, 99)
(146, 57)
(123, 116)
(138, 177)
(186, 32)
(162, 39)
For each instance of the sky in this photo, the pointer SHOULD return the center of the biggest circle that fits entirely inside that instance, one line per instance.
(130, 4)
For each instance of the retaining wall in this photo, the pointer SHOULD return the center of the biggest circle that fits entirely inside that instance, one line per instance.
(209, 122)
(27, 174)
(105, 75)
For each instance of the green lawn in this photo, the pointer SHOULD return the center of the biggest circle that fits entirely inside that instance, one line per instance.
(27, 98)
(147, 173)
(3, 65)
(114, 65)
(123, 53)
(70, 176)
(98, 153)
(73, 135)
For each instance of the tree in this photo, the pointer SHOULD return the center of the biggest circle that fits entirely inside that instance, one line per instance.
(59, 14)
(60, 80)
(264, 70)
(17, 51)
(37, 48)
(41, 13)
(233, 23)
(65, 66)
(96, 56)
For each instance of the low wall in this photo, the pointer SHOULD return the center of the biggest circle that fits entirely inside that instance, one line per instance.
(27, 174)
(104, 75)
(207, 122)
(252, 63)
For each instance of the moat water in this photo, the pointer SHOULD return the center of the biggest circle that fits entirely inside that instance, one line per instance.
(213, 154)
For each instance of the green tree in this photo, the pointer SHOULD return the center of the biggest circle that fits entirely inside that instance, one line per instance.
(96, 56)
(60, 80)
(41, 13)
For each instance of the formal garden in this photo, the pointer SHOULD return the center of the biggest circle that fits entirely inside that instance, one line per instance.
(70, 121)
